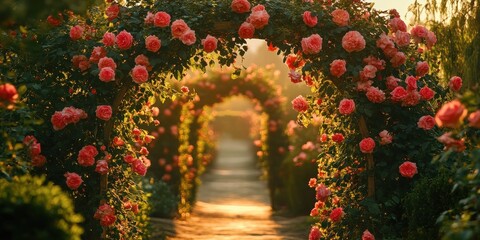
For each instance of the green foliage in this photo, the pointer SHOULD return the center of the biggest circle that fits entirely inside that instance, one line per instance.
(161, 199)
(34, 209)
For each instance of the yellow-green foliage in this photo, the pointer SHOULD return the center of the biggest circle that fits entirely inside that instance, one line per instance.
(33, 209)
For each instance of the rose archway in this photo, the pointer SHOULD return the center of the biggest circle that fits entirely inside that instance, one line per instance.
(95, 79)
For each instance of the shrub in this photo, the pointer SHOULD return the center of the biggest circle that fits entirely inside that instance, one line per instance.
(36, 210)
(162, 200)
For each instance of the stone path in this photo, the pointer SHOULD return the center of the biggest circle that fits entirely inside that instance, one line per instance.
(233, 203)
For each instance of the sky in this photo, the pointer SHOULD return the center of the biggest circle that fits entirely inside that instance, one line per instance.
(400, 5)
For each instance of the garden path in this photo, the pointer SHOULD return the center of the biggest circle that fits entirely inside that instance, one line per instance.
(233, 203)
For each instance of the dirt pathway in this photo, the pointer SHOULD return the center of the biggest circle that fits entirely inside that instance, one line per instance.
(233, 203)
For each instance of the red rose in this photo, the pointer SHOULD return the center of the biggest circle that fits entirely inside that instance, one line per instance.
(153, 43)
(38, 160)
(240, 6)
(58, 121)
(179, 27)
(353, 41)
(309, 20)
(139, 74)
(398, 94)
(112, 11)
(108, 39)
(455, 83)
(76, 32)
(315, 234)
(97, 54)
(139, 167)
(421, 69)
(188, 38)
(54, 21)
(338, 137)
(474, 119)
(340, 17)
(104, 112)
(367, 145)
(124, 40)
(107, 62)
(209, 44)
(86, 156)
(161, 19)
(101, 167)
(451, 114)
(426, 122)
(142, 60)
(246, 30)
(106, 74)
(73, 180)
(312, 44)
(367, 235)
(346, 106)
(336, 214)
(426, 93)
(300, 104)
(408, 169)
(338, 67)
(322, 193)
(258, 18)
(8, 94)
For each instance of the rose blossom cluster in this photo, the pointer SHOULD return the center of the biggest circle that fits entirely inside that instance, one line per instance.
(257, 19)
(60, 119)
(106, 214)
(182, 31)
(34, 151)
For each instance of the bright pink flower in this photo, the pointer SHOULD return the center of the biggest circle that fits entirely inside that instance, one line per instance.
(418, 32)
(375, 95)
(397, 24)
(312, 44)
(86, 156)
(8, 94)
(68, 115)
(112, 11)
(258, 18)
(402, 38)
(336, 215)
(118, 141)
(392, 82)
(367, 235)
(97, 54)
(76, 32)
(179, 27)
(421, 69)
(368, 72)
(129, 159)
(427, 93)
(101, 167)
(346, 106)
(295, 77)
(455, 83)
(73, 180)
(451, 114)
(322, 192)
(38, 160)
(139, 167)
(312, 182)
(398, 59)
(411, 83)
(246, 30)
(104, 112)
(431, 39)
(474, 119)
(139, 74)
(309, 20)
(108, 39)
(338, 67)
(300, 104)
(106, 214)
(337, 137)
(188, 38)
(107, 62)
(35, 149)
(58, 121)
(240, 6)
(124, 40)
(106, 74)
(315, 233)
(340, 17)
(142, 60)
(408, 169)
(367, 145)
(150, 18)
(426, 122)
(353, 41)
(161, 19)
(209, 44)
(385, 137)
(412, 98)
(384, 42)
(379, 64)
(153, 43)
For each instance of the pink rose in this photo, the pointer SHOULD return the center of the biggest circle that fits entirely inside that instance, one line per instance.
(408, 169)
(209, 44)
(379, 64)
(77, 59)
(338, 67)
(106, 214)
(104, 112)
(431, 39)
(139, 74)
(97, 53)
(240, 6)
(312, 44)
(161, 19)
(392, 82)
(421, 69)
(73, 180)
(427, 93)
(455, 83)
(38, 160)
(86, 156)
(412, 98)
(353, 41)
(367, 235)
(367, 145)
(402, 38)
(112, 12)
(139, 167)
(398, 59)
(142, 60)
(418, 32)
(295, 77)
(76, 32)
(101, 167)
(108, 39)
(188, 38)
(346, 106)
(246, 30)
(474, 119)
(451, 114)
(340, 17)
(106, 74)
(384, 42)
(108, 220)
(152, 43)
(385, 137)
(107, 62)
(426, 122)
(322, 192)
(336, 215)
(411, 83)
(150, 18)
(315, 233)
(58, 121)
(300, 104)
(8, 94)
(309, 20)
(397, 24)
(375, 95)
(124, 40)
(179, 27)
(259, 18)
(363, 86)
(368, 72)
